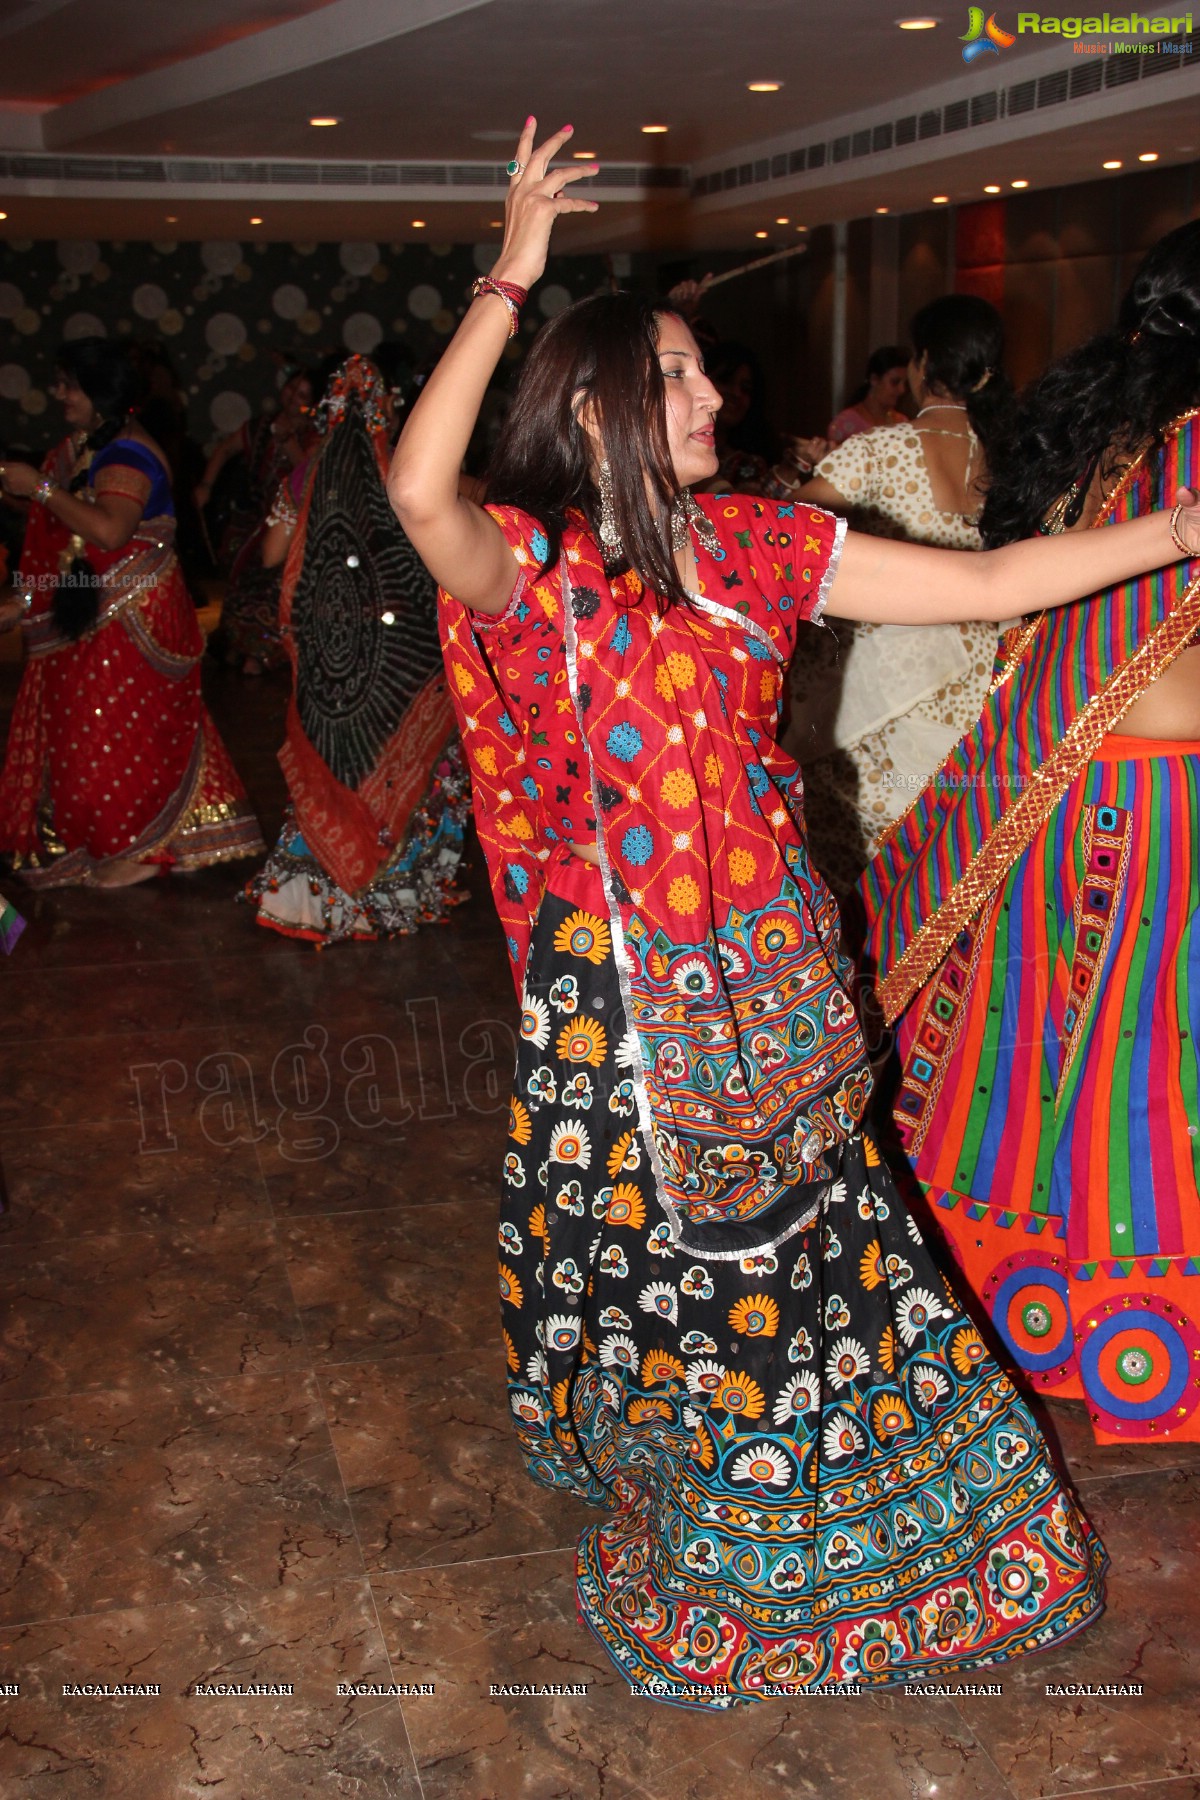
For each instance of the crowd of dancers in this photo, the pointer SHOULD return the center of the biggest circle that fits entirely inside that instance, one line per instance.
(748, 784)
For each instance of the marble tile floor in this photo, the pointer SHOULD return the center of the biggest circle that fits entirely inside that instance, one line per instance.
(253, 1430)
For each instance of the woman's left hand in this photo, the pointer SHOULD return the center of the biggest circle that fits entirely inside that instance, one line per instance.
(537, 196)
(19, 479)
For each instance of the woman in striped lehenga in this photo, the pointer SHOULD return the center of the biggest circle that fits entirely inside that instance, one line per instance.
(1036, 914)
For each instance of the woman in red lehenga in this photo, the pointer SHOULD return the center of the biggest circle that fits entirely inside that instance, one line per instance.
(114, 770)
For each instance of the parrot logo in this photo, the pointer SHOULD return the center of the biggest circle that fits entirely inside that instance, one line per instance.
(983, 37)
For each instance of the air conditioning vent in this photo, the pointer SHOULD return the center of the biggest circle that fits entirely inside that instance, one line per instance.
(1022, 98)
(955, 117)
(1052, 89)
(1087, 79)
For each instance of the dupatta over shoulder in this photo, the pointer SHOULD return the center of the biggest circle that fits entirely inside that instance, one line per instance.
(745, 1053)
(1062, 681)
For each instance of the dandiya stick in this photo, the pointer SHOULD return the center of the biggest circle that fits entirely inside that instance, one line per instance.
(761, 262)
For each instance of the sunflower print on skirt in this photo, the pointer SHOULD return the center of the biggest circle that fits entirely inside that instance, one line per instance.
(815, 1470)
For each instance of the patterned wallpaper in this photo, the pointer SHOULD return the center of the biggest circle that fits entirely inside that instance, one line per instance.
(230, 315)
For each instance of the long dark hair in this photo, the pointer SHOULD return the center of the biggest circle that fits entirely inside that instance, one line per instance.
(1108, 398)
(106, 373)
(962, 340)
(602, 351)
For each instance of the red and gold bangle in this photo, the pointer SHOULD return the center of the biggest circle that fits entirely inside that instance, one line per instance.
(514, 297)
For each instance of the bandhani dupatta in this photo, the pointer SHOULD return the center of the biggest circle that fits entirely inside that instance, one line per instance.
(745, 1053)
(1062, 682)
(369, 713)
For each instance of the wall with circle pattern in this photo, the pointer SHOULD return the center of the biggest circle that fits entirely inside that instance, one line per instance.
(232, 316)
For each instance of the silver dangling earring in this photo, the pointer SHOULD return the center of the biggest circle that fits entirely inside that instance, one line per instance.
(686, 513)
(610, 537)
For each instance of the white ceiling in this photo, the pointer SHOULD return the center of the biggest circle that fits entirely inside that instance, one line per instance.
(450, 80)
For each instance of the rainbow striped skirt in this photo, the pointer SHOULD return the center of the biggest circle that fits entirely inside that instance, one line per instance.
(1050, 1099)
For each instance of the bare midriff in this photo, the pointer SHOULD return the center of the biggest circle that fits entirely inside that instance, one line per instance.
(1170, 707)
(587, 853)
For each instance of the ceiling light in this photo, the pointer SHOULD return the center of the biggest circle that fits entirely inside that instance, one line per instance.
(3, 215)
(992, 188)
(418, 224)
(325, 121)
(802, 228)
(923, 24)
(1020, 184)
(941, 199)
(256, 220)
(762, 234)
(1148, 156)
(172, 218)
(783, 221)
(881, 209)
(584, 155)
(496, 224)
(763, 87)
(654, 130)
(1113, 163)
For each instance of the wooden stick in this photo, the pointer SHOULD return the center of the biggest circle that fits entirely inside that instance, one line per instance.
(761, 262)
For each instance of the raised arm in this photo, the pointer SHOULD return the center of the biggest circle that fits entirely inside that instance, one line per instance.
(892, 583)
(461, 545)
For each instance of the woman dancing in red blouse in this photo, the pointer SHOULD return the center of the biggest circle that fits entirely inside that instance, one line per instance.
(721, 1327)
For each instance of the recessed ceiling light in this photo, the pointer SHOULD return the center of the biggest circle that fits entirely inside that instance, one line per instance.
(654, 130)
(172, 218)
(584, 155)
(783, 221)
(881, 209)
(418, 224)
(764, 87)
(941, 199)
(992, 188)
(762, 234)
(325, 121)
(3, 215)
(1020, 184)
(1113, 163)
(1148, 156)
(256, 220)
(922, 24)
(802, 228)
(496, 224)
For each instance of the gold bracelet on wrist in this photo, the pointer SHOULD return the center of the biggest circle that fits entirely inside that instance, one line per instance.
(1177, 538)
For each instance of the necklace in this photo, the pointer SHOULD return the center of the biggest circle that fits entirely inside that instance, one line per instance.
(942, 406)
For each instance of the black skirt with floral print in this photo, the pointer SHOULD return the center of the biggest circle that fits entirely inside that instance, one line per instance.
(816, 1472)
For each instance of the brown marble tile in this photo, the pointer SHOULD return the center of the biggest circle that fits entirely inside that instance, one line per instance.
(1054, 1745)
(162, 920)
(1089, 1461)
(890, 1747)
(513, 1621)
(165, 1173)
(1186, 1788)
(431, 1464)
(146, 1308)
(177, 1745)
(372, 1285)
(132, 1497)
(366, 1170)
(45, 1004)
(48, 1084)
